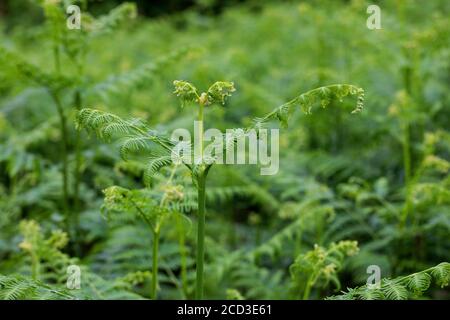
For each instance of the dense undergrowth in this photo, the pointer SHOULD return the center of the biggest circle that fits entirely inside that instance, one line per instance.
(352, 191)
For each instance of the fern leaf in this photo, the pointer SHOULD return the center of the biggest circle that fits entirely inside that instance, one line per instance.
(442, 274)
(393, 290)
(419, 282)
(154, 166)
(307, 100)
(371, 294)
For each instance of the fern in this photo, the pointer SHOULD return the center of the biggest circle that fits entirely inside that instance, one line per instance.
(16, 287)
(401, 288)
(106, 125)
(306, 101)
(321, 264)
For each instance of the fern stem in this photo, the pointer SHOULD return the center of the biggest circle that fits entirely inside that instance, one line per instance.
(76, 189)
(35, 266)
(155, 265)
(308, 286)
(183, 252)
(200, 236)
(64, 136)
(78, 104)
(407, 167)
(407, 151)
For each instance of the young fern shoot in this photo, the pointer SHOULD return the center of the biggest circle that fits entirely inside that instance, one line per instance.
(138, 138)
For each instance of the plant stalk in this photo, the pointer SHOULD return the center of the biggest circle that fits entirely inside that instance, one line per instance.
(155, 265)
(183, 252)
(200, 236)
(65, 161)
(201, 182)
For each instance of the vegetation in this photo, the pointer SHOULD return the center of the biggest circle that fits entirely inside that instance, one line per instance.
(364, 165)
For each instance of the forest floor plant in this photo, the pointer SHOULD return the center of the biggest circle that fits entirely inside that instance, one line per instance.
(138, 137)
(69, 49)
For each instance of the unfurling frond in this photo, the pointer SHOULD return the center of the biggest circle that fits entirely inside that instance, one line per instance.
(185, 91)
(321, 264)
(219, 91)
(307, 100)
(140, 202)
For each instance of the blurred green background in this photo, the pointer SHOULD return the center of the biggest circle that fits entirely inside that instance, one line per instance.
(342, 176)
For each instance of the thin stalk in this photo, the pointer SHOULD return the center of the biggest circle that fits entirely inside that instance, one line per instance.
(201, 182)
(200, 129)
(78, 104)
(155, 265)
(77, 173)
(407, 208)
(57, 58)
(183, 257)
(200, 236)
(35, 266)
(156, 232)
(65, 170)
(308, 286)
(64, 136)
(407, 167)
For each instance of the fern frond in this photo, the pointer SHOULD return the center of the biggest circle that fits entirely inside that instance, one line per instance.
(154, 165)
(442, 274)
(109, 22)
(106, 125)
(185, 91)
(402, 288)
(419, 282)
(219, 91)
(393, 290)
(16, 287)
(134, 144)
(306, 101)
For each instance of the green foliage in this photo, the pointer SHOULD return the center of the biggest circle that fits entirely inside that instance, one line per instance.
(306, 101)
(131, 218)
(401, 288)
(22, 288)
(321, 265)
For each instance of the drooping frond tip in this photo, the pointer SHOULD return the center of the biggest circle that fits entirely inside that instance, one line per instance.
(306, 101)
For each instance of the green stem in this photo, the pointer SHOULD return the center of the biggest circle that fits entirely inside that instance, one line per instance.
(407, 79)
(57, 58)
(78, 104)
(200, 236)
(407, 167)
(201, 182)
(183, 252)
(308, 286)
(77, 173)
(64, 136)
(35, 266)
(65, 170)
(155, 265)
